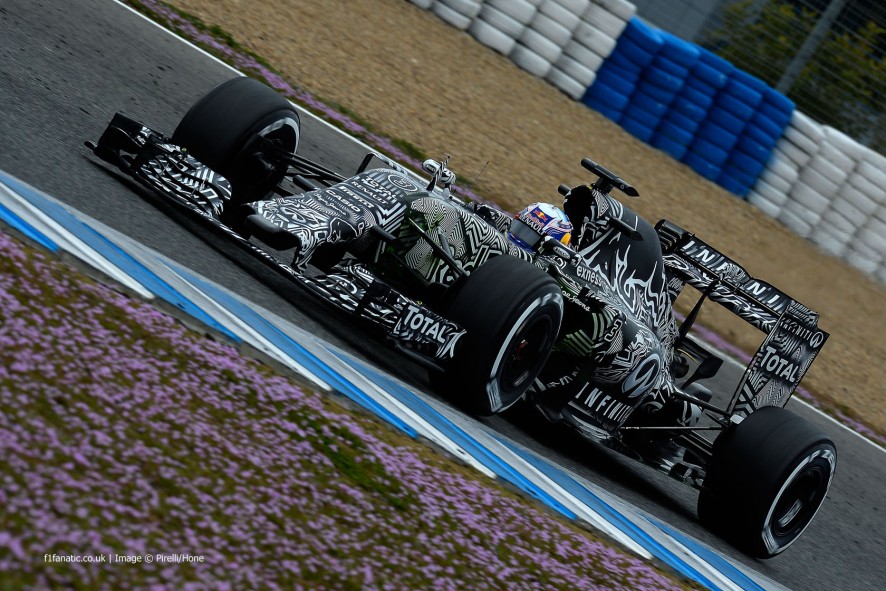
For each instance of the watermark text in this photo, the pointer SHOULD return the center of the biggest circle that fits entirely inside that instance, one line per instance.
(114, 558)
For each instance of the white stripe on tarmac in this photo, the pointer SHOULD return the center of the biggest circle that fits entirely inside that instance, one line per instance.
(727, 357)
(325, 352)
(67, 241)
(407, 415)
(568, 500)
(703, 567)
(70, 243)
(231, 321)
(828, 417)
(239, 73)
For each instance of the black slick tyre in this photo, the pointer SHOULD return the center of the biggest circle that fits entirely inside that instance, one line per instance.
(766, 480)
(225, 129)
(512, 312)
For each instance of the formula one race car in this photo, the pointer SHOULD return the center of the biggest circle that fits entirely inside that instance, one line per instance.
(585, 330)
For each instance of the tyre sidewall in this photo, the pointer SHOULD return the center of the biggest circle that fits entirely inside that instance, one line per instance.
(220, 128)
(753, 466)
(545, 308)
(819, 457)
(499, 303)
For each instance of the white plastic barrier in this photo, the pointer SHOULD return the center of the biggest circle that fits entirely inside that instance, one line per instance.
(849, 226)
(593, 39)
(562, 41)
(501, 22)
(824, 185)
(605, 20)
(491, 36)
(620, 8)
(868, 247)
(521, 11)
(779, 191)
(542, 43)
(458, 13)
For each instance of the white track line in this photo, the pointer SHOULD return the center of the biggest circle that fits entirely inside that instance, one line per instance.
(742, 366)
(67, 241)
(239, 73)
(229, 319)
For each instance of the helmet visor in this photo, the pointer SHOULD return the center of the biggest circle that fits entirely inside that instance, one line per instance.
(525, 234)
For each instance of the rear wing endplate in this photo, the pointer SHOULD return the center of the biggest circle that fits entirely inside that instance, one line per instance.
(793, 338)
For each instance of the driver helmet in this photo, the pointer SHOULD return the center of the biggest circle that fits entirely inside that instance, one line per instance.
(537, 220)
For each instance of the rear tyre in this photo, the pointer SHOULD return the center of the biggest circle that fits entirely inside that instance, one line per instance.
(767, 479)
(512, 312)
(225, 129)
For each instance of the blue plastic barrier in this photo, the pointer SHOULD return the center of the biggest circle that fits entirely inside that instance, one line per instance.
(675, 149)
(637, 128)
(692, 104)
(702, 166)
(650, 104)
(684, 122)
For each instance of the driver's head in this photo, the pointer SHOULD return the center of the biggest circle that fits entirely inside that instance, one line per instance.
(537, 220)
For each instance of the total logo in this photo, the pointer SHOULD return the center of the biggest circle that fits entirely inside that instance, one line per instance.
(780, 367)
(417, 321)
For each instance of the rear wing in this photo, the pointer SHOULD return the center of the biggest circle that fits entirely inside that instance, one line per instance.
(793, 338)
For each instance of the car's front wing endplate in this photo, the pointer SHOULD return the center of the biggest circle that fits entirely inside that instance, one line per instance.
(178, 178)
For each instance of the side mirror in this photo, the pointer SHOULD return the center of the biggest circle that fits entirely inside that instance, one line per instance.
(430, 166)
(439, 173)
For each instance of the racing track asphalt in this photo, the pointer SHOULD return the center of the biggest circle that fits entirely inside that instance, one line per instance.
(66, 67)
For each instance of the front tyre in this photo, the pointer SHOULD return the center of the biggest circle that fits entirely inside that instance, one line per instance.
(767, 478)
(512, 312)
(242, 130)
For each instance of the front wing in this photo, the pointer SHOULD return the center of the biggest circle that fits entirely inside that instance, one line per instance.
(178, 178)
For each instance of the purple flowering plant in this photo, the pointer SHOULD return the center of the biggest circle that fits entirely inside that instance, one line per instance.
(124, 434)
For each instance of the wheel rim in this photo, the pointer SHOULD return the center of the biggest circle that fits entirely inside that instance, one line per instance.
(283, 134)
(799, 502)
(525, 354)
